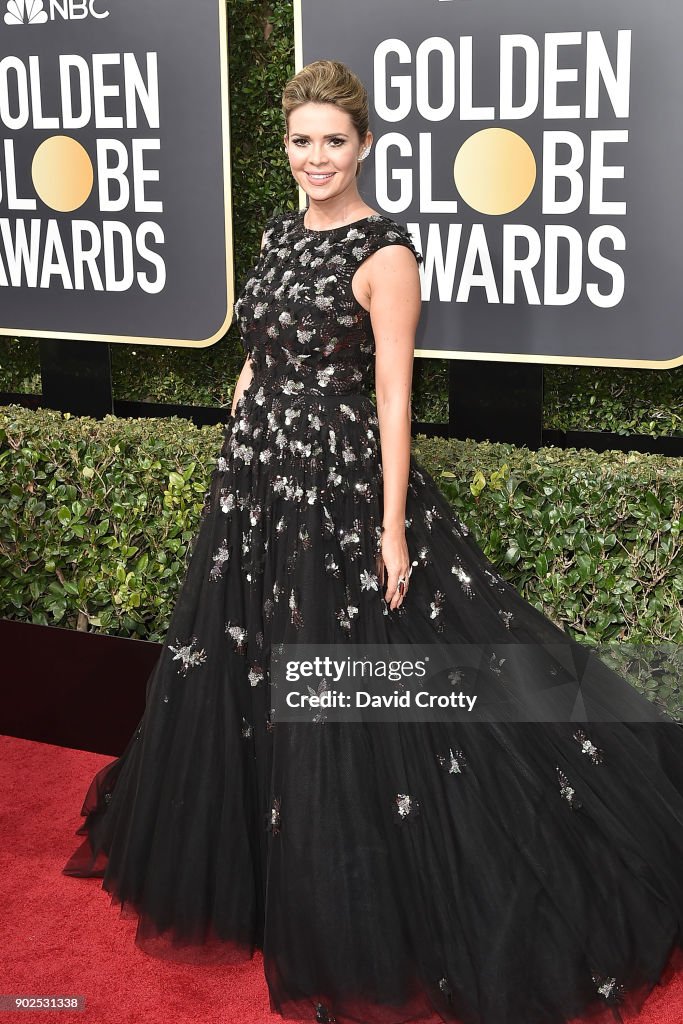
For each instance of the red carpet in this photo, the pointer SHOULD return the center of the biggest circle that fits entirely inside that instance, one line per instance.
(60, 937)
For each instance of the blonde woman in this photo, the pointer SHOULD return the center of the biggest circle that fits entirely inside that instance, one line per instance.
(513, 867)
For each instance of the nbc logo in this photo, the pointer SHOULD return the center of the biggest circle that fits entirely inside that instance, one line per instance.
(25, 12)
(32, 12)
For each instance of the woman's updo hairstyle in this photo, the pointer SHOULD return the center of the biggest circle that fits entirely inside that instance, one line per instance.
(329, 81)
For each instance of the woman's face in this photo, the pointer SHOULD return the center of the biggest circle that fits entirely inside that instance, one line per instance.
(323, 146)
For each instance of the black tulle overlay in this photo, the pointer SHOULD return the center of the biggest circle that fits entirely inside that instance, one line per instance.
(482, 873)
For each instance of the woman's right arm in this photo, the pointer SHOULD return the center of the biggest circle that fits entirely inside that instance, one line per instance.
(243, 382)
(246, 374)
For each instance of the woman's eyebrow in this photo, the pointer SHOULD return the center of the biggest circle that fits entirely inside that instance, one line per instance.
(332, 135)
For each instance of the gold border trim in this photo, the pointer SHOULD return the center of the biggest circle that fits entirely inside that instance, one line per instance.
(298, 36)
(23, 332)
(298, 64)
(519, 357)
(495, 357)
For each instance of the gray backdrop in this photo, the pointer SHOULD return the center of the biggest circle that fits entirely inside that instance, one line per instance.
(644, 327)
(193, 158)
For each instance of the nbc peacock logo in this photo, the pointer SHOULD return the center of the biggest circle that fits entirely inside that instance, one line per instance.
(25, 12)
(38, 12)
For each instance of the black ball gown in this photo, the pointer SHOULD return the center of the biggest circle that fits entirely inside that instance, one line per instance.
(480, 872)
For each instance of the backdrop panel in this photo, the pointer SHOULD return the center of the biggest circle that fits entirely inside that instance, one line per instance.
(115, 171)
(533, 151)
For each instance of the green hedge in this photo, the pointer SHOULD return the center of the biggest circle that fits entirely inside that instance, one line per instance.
(96, 518)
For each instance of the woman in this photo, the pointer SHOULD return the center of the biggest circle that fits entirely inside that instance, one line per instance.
(494, 871)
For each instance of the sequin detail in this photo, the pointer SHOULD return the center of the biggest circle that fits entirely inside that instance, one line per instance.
(452, 763)
(445, 989)
(187, 657)
(567, 791)
(609, 988)
(405, 807)
(436, 607)
(275, 817)
(464, 578)
(238, 635)
(219, 560)
(596, 754)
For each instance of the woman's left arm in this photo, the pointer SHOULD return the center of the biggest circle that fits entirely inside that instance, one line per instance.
(395, 303)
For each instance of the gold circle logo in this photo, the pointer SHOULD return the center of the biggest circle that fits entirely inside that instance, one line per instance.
(494, 171)
(62, 173)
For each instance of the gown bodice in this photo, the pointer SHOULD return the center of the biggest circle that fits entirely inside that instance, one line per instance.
(298, 316)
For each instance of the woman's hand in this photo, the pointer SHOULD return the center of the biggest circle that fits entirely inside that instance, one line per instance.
(393, 558)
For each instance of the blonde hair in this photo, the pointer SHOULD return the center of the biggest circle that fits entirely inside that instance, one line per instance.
(329, 81)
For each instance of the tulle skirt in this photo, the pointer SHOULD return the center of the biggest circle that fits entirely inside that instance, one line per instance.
(519, 867)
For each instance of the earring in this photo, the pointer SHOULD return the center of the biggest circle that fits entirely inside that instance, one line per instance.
(363, 155)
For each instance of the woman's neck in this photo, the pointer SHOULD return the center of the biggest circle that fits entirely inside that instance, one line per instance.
(320, 216)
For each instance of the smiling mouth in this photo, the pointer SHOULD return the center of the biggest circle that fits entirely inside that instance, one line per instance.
(320, 178)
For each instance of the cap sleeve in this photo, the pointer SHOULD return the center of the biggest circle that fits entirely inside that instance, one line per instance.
(380, 232)
(270, 231)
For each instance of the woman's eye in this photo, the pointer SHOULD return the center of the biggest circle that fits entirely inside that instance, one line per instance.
(302, 142)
